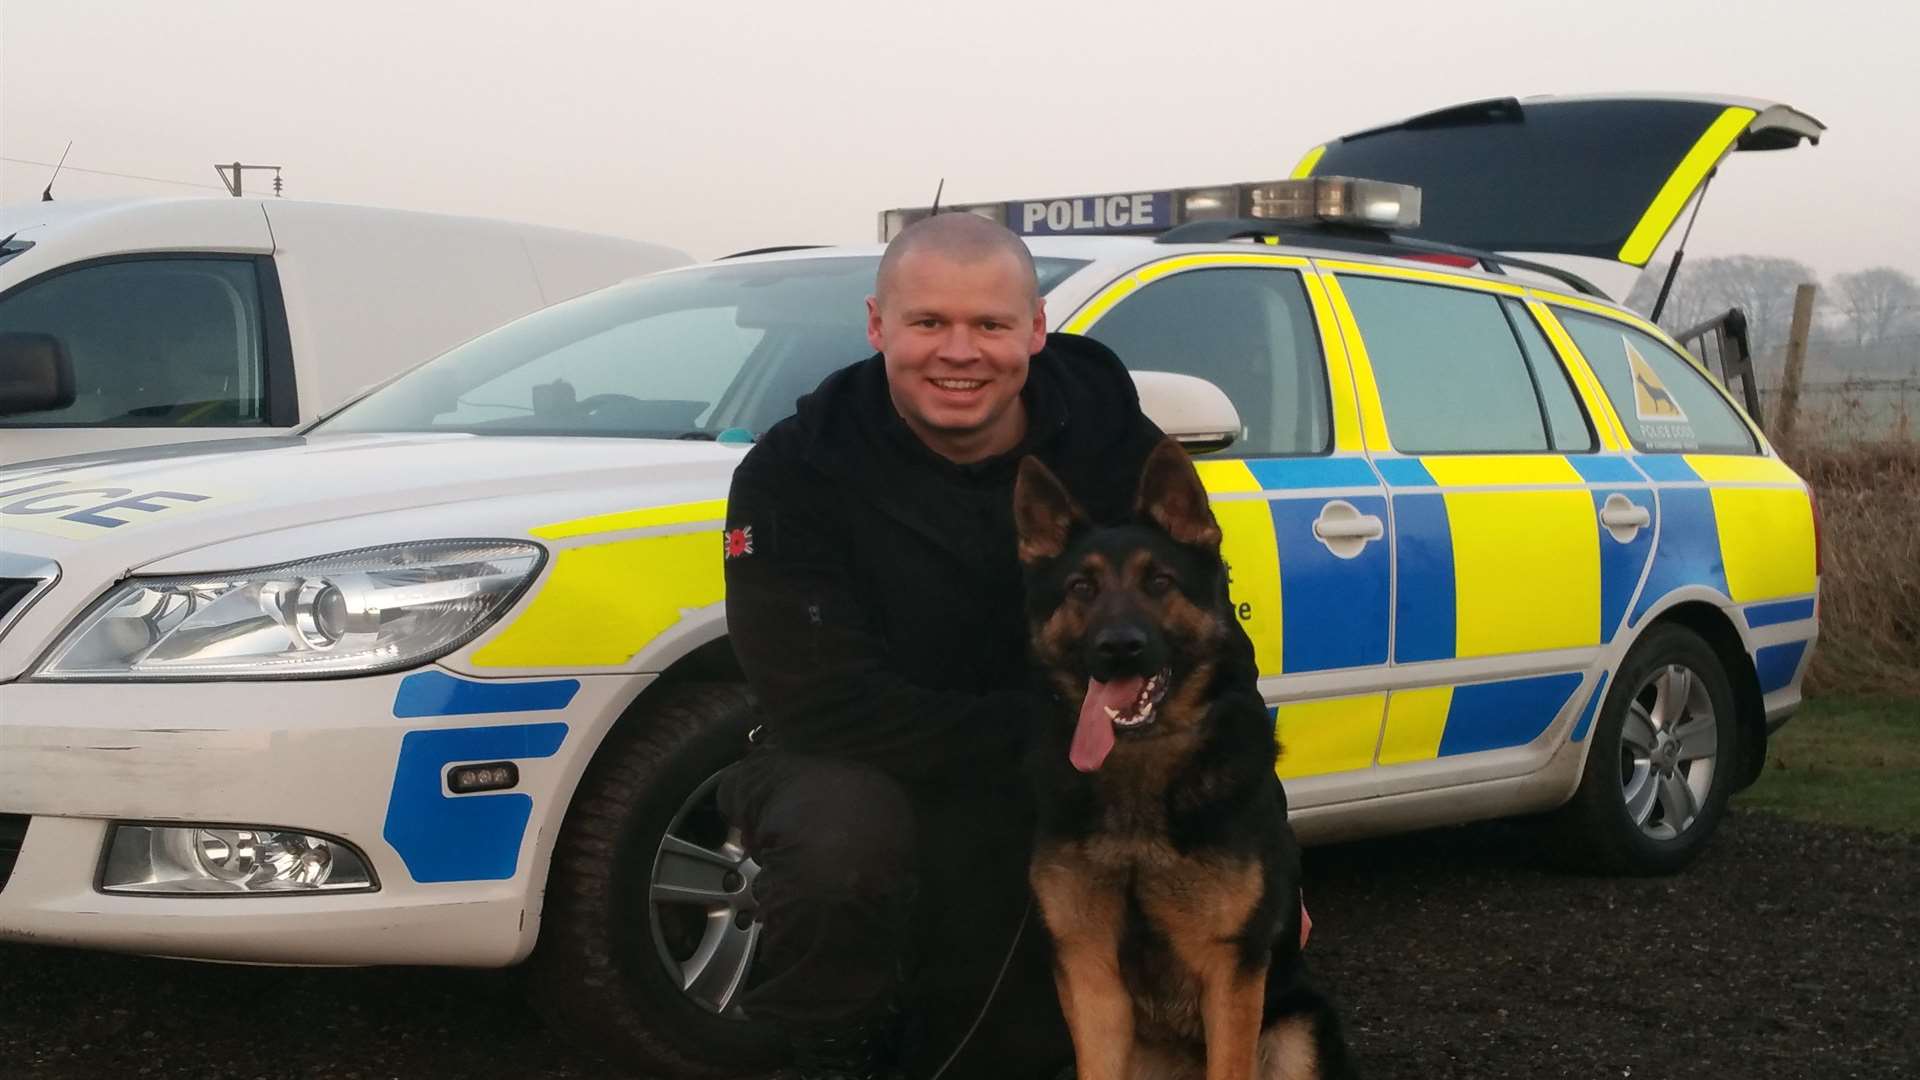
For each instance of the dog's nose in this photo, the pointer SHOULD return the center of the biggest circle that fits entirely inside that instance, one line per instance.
(1119, 644)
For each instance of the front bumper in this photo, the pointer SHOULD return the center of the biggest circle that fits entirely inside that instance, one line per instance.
(359, 759)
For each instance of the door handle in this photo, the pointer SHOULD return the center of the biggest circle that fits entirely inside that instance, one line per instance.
(1623, 517)
(1344, 530)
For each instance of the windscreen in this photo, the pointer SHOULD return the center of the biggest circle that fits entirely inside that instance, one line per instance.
(688, 354)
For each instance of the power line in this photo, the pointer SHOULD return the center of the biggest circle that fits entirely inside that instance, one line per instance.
(121, 175)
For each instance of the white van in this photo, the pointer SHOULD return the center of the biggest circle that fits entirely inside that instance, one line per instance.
(139, 321)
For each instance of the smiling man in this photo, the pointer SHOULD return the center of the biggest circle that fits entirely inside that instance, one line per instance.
(874, 601)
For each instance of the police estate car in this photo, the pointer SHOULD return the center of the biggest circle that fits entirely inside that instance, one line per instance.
(446, 674)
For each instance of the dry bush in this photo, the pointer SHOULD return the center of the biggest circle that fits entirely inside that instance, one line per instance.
(1869, 495)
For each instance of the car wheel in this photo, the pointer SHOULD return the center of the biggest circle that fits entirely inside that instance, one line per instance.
(650, 928)
(1661, 766)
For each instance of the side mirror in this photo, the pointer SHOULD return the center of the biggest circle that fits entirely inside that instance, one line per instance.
(35, 373)
(1195, 412)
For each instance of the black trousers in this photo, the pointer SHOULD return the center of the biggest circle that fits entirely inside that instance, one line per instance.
(869, 890)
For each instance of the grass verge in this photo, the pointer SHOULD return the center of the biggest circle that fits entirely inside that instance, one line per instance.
(1845, 761)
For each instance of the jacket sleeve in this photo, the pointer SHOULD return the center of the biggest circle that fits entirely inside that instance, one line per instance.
(814, 661)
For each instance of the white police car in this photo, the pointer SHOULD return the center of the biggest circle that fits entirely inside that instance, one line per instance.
(446, 675)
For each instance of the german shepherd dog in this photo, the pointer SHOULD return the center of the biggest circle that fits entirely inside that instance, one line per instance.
(1163, 863)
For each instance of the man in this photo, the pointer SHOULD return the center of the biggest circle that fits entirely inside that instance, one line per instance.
(877, 613)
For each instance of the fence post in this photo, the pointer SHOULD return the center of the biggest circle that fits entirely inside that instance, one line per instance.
(1796, 359)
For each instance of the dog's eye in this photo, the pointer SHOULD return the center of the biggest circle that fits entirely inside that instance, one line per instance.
(1082, 588)
(1158, 584)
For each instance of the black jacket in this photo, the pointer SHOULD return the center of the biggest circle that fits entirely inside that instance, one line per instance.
(879, 615)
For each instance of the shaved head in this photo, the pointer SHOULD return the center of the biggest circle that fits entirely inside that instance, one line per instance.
(961, 237)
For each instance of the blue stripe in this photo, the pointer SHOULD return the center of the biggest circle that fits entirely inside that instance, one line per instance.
(1404, 472)
(1775, 664)
(1667, 468)
(1593, 708)
(1621, 564)
(1424, 615)
(1689, 548)
(1276, 474)
(1773, 614)
(1604, 469)
(435, 693)
(1333, 610)
(473, 837)
(1491, 716)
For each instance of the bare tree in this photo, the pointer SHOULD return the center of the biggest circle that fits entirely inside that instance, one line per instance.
(1877, 301)
(1687, 305)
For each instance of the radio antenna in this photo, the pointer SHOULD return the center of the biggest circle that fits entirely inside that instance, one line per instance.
(47, 195)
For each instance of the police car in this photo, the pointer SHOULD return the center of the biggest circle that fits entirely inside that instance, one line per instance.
(446, 676)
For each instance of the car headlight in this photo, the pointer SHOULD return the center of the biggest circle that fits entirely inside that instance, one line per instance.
(375, 609)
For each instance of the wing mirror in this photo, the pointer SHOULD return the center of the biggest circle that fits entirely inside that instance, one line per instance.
(1195, 412)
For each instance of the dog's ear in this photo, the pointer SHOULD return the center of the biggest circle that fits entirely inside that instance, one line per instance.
(1172, 497)
(1043, 513)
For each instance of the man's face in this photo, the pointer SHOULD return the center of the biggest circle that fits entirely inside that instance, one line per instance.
(957, 335)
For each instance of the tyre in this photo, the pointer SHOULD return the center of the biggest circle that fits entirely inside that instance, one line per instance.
(649, 932)
(1663, 761)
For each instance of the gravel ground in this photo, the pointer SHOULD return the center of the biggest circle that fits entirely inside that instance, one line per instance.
(1790, 950)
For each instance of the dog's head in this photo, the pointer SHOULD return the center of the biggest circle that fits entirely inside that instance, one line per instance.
(1124, 618)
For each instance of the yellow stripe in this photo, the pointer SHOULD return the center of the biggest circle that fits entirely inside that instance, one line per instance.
(1373, 422)
(1416, 719)
(604, 603)
(713, 510)
(1526, 570)
(1252, 557)
(1766, 542)
(1220, 476)
(1473, 470)
(1743, 469)
(1706, 153)
(1613, 435)
(1346, 411)
(1305, 168)
(1436, 277)
(1330, 736)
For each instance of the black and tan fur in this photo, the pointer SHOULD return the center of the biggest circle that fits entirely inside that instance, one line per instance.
(1168, 878)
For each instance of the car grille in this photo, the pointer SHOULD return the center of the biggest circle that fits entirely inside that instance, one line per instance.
(13, 833)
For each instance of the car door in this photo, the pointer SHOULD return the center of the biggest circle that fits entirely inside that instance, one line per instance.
(1736, 523)
(1519, 532)
(166, 347)
(1302, 511)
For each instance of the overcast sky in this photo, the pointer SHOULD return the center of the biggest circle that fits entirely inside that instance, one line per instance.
(720, 126)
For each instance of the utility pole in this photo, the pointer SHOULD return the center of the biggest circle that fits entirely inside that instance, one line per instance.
(231, 175)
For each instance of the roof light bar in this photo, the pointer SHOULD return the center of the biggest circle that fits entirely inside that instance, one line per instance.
(1336, 199)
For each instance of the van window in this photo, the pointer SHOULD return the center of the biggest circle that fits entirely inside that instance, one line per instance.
(1665, 402)
(1451, 374)
(166, 342)
(1248, 331)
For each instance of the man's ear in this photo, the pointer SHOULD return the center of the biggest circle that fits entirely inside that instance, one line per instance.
(875, 324)
(1043, 513)
(1172, 497)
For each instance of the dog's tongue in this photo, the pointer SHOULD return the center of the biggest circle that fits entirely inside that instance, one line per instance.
(1093, 736)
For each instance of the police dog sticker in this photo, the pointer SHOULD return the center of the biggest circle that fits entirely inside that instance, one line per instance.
(1663, 423)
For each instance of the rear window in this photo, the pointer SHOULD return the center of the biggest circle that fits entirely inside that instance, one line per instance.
(1574, 176)
(1665, 402)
